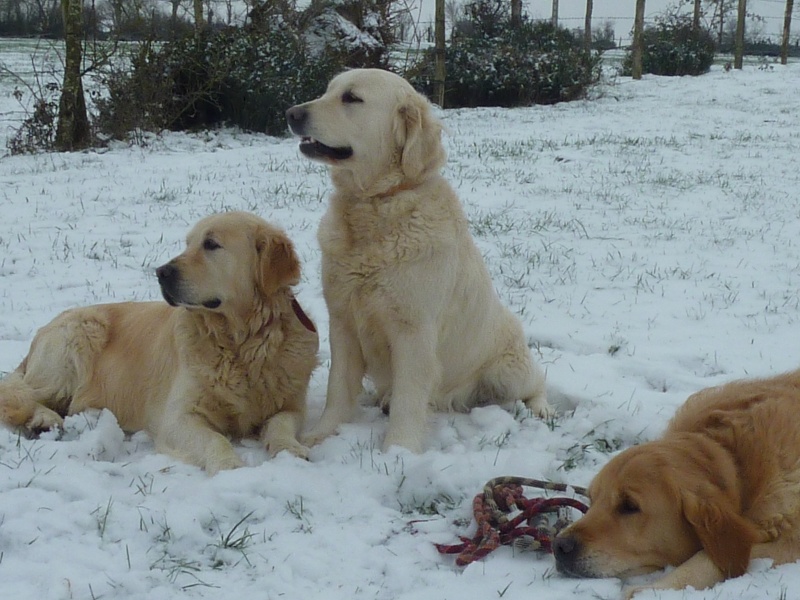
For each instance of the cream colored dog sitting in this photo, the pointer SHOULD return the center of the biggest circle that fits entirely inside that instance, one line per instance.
(410, 299)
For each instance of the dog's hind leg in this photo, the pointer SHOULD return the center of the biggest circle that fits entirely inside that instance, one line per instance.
(57, 367)
(19, 408)
(515, 376)
(30, 396)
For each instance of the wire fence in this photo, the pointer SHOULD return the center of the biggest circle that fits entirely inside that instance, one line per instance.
(764, 24)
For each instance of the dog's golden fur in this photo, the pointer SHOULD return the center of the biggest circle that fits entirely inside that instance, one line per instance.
(231, 357)
(410, 299)
(722, 486)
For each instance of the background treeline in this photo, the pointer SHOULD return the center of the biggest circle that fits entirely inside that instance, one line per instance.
(200, 64)
(104, 19)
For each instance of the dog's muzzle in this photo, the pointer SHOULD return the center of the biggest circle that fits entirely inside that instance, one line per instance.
(298, 119)
(168, 278)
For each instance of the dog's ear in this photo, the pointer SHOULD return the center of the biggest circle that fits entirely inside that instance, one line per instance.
(277, 264)
(726, 536)
(418, 134)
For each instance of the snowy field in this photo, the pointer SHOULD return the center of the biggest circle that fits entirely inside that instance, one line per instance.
(649, 239)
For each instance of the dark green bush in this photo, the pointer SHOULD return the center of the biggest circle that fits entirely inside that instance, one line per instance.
(266, 73)
(38, 131)
(247, 76)
(674, 47)
(243, 77)
(491, 62)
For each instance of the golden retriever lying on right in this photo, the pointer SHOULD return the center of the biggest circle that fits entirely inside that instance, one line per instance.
(231, 354)
(720, 488)
(410, 299)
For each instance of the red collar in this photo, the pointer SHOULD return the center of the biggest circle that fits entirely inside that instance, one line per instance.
(302, 316)
(400, 187)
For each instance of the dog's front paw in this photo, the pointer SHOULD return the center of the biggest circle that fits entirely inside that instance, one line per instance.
(316, 436)
(413, 443)
(629, 591)
(224, 462)
(291, 445)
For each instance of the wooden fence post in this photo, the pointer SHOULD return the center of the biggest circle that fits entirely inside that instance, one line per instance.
(440, 72)
(739, 50)
(638, 40)
(587, 27)
(787, 26)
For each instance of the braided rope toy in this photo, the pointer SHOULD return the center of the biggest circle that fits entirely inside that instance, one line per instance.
(492, 509)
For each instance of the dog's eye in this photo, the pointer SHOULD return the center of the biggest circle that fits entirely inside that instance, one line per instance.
(210, 244)
(350, 98)
(628, 506)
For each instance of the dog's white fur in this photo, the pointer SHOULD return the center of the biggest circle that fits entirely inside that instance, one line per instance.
(411, 302)
(188, 374)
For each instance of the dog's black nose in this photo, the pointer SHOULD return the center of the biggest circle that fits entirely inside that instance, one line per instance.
(166, 272)
(564, 548)
(297, 117)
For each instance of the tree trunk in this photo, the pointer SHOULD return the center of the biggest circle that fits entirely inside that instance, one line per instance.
(198, 15)
(739, 51)
(73, 131)
(587, 26)
(696, 15)
(638, 40)
(440, 72)
(174, 17)
(787, 26)
(516, 13)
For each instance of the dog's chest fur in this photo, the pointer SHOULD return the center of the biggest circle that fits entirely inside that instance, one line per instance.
(244, 380)
(366, 238)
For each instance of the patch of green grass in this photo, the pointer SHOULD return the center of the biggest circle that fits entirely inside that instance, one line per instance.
(441, 504)
(237, 537)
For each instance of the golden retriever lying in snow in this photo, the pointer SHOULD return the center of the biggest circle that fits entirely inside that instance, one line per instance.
(720, 488)
(410, 299)
(231, 354)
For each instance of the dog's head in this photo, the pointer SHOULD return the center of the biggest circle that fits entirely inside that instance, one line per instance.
(656, 505)
(370, 122)
(231, 260)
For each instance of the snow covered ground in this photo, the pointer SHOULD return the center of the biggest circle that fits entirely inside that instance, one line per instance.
(649, 239)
